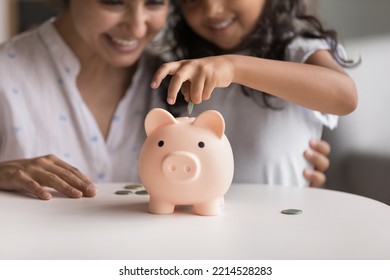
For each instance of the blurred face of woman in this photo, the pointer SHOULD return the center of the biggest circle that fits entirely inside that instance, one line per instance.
(224, 23)
(116, 31)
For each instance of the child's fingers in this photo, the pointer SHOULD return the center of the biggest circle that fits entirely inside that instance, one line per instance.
(197, 87)
(177, 82)
(185, 89)
(320, 146)
(207, 90)
(162, 72)
(315, 178)
(319, 161)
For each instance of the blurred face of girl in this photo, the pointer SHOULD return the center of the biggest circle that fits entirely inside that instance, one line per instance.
(222, 22)
(117, 31)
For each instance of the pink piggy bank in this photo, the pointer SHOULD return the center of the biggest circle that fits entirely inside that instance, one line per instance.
(186, 161)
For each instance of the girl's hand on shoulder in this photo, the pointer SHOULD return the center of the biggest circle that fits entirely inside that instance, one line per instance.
(195, 78)
(317, 155)
(32, 175)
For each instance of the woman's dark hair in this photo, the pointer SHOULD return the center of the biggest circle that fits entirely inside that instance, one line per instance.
(59, 5)
(281, 22)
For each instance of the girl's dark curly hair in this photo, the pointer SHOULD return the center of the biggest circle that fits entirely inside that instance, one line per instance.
(281, 22)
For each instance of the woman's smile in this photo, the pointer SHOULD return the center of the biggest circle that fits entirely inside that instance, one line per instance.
(121, 44)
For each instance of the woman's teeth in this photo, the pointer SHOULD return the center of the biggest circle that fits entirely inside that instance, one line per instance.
(123, 42)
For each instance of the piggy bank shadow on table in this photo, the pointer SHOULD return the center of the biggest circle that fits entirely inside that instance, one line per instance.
(131, 206)
(125, 208)
(186, 161)
(141, 207)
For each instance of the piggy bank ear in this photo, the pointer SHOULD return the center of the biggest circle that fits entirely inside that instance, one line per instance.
(157, 118)
(211, 120)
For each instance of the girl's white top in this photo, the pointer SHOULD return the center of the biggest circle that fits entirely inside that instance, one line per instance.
(42, 111)
(268, 144)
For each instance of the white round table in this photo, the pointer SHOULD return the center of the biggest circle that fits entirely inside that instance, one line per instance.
(333, 225)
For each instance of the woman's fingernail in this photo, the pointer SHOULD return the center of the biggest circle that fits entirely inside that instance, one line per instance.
(46, 196)
(76, 193)
(90, 190)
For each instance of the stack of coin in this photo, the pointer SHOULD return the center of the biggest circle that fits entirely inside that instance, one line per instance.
(130, 189)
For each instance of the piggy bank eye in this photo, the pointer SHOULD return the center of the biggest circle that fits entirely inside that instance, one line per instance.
(160, 143)
(201, 144)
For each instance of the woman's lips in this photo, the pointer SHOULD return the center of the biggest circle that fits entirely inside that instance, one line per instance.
(123, 45)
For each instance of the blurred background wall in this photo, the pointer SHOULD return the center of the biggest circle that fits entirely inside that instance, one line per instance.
(360, 158)
(20, 15)
(7, 17)
(356, 18)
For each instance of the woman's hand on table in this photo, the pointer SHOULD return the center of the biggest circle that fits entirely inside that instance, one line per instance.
(33, 175)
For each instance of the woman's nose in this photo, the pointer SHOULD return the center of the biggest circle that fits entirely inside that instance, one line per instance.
(135, 23)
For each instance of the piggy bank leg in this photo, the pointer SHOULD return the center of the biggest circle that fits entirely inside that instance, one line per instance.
(157, 206)
(210, 208)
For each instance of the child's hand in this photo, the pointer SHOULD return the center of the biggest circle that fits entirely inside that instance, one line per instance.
(317, 155)
(31, 175)
(195, 78)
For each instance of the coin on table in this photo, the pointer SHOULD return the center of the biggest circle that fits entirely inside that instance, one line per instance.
(134, 187)
(123, 192)
(142, 192)
(292, 211)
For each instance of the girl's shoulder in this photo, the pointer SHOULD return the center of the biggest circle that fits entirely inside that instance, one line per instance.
(300, 48)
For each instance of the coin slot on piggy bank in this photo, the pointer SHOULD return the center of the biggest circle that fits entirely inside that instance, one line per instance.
(186, 161)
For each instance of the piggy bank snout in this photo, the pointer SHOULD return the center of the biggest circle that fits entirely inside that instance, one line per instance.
(181, 166)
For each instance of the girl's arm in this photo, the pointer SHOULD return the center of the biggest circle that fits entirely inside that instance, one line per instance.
(319, 84)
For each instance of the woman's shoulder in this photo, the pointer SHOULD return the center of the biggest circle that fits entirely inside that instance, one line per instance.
(19, 43)
(24, 44)
(19, 54)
